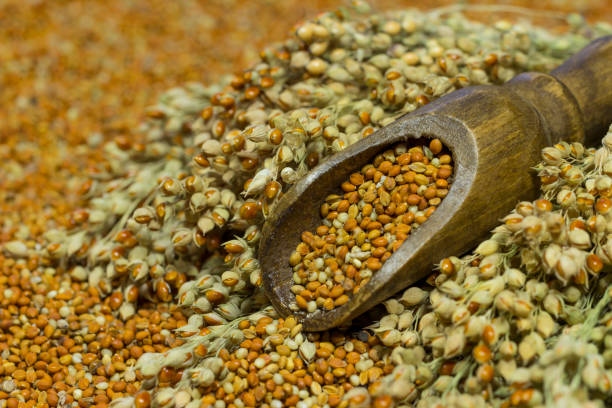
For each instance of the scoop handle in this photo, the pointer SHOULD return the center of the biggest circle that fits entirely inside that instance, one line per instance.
(574, 100)
(588, 76)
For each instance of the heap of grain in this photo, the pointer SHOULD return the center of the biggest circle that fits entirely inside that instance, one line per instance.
(176, 214)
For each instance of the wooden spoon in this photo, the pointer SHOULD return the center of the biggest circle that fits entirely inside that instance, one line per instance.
(495, 134)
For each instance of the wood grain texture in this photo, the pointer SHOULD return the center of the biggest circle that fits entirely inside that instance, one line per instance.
(495, 135)
(588, 76)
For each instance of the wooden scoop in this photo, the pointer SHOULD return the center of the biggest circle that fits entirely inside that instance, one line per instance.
(495, 134)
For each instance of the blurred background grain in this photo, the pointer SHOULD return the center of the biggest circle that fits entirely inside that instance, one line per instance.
(75, 73)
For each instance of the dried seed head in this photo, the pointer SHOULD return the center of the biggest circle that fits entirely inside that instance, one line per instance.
(545, 325)
(504, 300)
(405, 320)
(149, 364)
(522, 308)
(307, 350)
(197, 202)
(531, 346)
(566, 198)
(455, 343)
(580, 238)
(552, 255)
(413, 296)
(474, 327)
(552, 156)
(552, 304)
(16, 249)
(489, 266)
(515, 278)
(486, 248)
(566, 268)
(508, 349)
(390, 337)
(262, 177)
(460, 315)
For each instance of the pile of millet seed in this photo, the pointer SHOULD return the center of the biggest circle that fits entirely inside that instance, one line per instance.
(380, 205)
(60, 342)
(177, 214)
